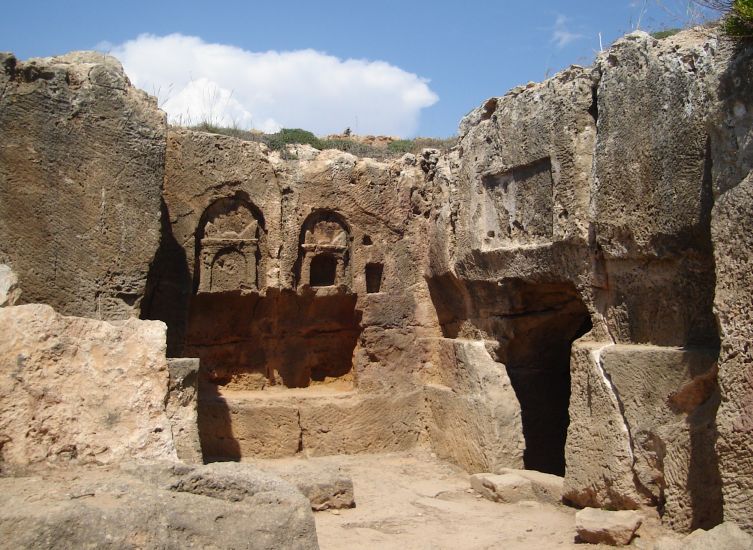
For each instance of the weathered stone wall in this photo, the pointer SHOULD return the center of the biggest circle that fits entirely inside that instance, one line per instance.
(583, 206)
(734, 255)
(651, 196)
(81, 168)
(552, 293)
(732, 235)
(362, 346)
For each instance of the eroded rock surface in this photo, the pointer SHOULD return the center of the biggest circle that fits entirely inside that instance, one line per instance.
(215, 506)
(631, 443)
(81, 391)
(551, 293)
(503, 488)
(326, 485)
(10, 292)
(88, 151)
(726, 535)
(732, 226)
(603, 526)
(182, 408)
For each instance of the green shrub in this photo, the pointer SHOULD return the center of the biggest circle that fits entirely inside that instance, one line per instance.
(666, 33)
(231, 131)
(290, 136)
(401, 146)
(738, 16)
(739, 21)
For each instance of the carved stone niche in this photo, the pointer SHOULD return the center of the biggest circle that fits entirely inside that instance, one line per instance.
(325, 246)
(229, 247)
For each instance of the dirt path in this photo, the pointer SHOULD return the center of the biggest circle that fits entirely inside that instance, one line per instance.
(415, 502)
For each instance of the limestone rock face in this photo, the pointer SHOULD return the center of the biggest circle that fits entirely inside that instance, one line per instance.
(732, 226)
(726, 535)
(80, 391)
(475, 415)
(216, 506)
(81, 169)
(182, 408)
(598, 451)
(9, 289)
(631, 443)
(508, 267)
(651, 193)
(529, 186)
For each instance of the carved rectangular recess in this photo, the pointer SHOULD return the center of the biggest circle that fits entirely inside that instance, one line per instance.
(522, 199)
(374, 278)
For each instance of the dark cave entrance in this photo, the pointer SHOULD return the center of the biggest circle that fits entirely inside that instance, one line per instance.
(535, 325)
(538, 363)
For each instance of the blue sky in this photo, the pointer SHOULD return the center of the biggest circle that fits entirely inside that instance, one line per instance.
(416, 67)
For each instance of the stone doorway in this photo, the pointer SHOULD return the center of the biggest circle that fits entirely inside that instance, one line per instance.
(537, 357)
(534, 325)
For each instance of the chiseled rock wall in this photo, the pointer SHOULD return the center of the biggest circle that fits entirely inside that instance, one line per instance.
(81, 165)
(607, 208)
(642, 431)
(651, 194)
(592, 194)
(731, 227)
(81, 391)
(733, 246)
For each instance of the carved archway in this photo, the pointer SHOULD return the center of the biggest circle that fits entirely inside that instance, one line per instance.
(228, 246)
(324, 254)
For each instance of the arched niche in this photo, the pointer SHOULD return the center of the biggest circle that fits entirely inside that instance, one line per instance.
(228, 246)
(324, 253)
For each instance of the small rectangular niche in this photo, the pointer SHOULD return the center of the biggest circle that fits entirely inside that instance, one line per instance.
(374, 278)
(323, 270)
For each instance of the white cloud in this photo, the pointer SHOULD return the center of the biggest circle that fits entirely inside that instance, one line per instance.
(197, 81)
(561, 34)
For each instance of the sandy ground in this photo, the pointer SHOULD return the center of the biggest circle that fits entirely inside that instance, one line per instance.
(413, 501)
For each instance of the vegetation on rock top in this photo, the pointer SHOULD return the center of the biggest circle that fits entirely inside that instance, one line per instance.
(279, 141)
(738, 16)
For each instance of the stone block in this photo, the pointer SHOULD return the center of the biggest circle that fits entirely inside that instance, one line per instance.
(605, 527)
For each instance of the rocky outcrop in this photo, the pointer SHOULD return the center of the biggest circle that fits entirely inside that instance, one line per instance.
(581, 208)
(182, 408)
(81, 168)
(632, 444)
(215, 506)
(651, 194)
(9, 289)
(726, 535)
(550, 294)
(80, 391)
(731, 224)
